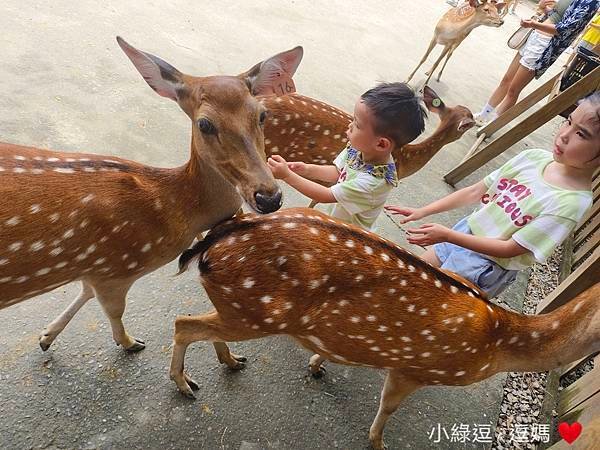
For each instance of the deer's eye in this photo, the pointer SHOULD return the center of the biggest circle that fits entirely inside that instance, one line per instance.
(206, 126)
(262, 117)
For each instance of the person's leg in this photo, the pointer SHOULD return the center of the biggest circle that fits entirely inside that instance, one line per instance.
(488, 112)
(522, 78)
(430, 257)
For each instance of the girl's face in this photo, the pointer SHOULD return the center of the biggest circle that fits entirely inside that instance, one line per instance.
(577, 142)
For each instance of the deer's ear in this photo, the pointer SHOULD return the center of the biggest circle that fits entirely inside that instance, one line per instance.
(474, 3)
(165, 79)
(432, 100)
(500, 6)
(266, 75)
(465, 124)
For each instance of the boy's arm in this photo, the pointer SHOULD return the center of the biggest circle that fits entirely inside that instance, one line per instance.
(312, 190)
(328, 173)
(462, 197)
(432, 233)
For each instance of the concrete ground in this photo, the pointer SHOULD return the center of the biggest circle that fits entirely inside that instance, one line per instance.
(67, 85)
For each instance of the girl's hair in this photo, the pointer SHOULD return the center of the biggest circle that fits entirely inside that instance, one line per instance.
(594, 99)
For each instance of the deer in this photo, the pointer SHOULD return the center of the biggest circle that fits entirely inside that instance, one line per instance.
(507, 7)
(355, 298)
(107, 221)
(455, 25)
(303, 129)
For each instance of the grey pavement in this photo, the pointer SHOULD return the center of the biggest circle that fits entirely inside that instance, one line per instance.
(65, 84)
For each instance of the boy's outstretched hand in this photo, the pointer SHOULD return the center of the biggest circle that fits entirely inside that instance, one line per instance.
(410, 213)
(279, 167)
(298, 167)
(428, 234)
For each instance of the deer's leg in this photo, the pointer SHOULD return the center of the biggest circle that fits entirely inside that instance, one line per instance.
(112, 298)
(207, 327)
(447, 58)
(395, 389)
(436, 63)
(312, 204)
(314, 364)
(57, 325)
(431, 45)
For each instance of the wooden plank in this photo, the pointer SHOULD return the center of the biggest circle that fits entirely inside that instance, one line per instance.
(578, 392)
(589, 215)
(585, 249)
(519, 108)
(475, 147)
(585, 275)
(587, 231)
(588, 415)
(525, 127)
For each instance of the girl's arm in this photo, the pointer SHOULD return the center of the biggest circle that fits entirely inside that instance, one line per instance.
(465, 196)
(432, 233)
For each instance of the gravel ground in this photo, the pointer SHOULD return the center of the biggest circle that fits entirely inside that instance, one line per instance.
(524, 392)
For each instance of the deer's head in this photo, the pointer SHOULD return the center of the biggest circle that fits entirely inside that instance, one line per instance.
(227, 119)
(487, 12)
(458, 117)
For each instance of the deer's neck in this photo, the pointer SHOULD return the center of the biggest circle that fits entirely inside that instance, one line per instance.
(199, 194)
(412, 157)
(544, 342)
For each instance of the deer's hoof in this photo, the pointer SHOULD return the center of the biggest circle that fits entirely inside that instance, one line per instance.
(319, 373)
(46, 340)
(239, 358)
(191, 382)
(137, 346)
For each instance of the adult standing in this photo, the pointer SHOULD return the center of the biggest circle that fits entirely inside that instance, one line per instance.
(565, 20)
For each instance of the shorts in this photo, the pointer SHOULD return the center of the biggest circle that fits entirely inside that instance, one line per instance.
(533, 48)
(479, 270)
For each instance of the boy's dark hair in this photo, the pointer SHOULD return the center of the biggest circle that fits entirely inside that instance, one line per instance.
(398, 112)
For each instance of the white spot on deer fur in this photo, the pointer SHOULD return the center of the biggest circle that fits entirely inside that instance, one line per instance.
(403, 283)
(304, 319)
(374, 348)
(21, 279)
(424, 275)
(13, 221)
(368, 250)
(513, 339)
(333, 238)
(354, 319)
(146, 247)
(343, 303)
(36, 246)
(313, 284)
(307, 256)
(371, 318)
(87, 198)
(411, 308)
(471, 315)
(68, 234)
(453, 289)
(248, 283)
(269, 320)
(15, 246)
(64, 170)
(54, 217)
(20, 158)
(406, 339)
(43, 271)
(19, 170)
(3, 261)
(266, 299)
(577, 306)
(99, 261)
(359, 277)
(132, 265)
(124, 256)
(535, 334)
(60, 265)
(385, 257)
(460, 373)
(34, 209)
(555, 324)
(81, 257)
(367, 295)
(408, 357)
(484, 367)
(350, 244)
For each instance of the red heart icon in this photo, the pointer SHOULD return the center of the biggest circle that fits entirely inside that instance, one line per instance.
(569, 432)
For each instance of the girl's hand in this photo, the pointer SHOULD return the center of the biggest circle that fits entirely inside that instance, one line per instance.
(298, 167)
(279, 167)
(410, 213)
(527, 23)
(428, 234)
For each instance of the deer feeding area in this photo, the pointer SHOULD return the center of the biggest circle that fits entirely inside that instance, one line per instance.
(68, 86)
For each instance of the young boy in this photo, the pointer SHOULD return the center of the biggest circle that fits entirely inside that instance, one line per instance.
(385, 117)
(527, 207)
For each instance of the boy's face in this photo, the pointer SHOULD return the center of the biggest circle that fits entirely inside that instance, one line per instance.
(362, 136)
(577, 142)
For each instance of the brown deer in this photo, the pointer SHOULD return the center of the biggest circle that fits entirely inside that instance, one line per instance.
(303, 129)
(455, 26)
(355, 298)
(107, 221)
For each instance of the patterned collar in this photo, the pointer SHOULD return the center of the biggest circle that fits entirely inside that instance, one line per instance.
(387, 171)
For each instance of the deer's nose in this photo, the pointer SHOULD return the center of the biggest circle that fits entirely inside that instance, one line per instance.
(268, 203)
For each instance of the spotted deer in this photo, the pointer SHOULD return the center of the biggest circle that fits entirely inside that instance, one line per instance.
(455, 25)
(300, 128)
(107, 221)
(357, 299)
